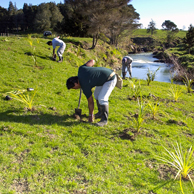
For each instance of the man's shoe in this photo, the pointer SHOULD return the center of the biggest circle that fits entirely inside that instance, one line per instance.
(99, 113)
(60, 60)
(104, 118)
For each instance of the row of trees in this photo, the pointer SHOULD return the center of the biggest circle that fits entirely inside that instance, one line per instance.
(111, 19)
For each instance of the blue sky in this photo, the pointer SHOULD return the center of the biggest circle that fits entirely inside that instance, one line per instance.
(177, 11)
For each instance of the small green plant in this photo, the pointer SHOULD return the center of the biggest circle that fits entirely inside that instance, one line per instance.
(139, 118)
(24, 96)
(188, 83)
(33, 49)
(175, 91)
(154, 109)
(182, 162)
(135, 89)
(151, 76)
(78, 50)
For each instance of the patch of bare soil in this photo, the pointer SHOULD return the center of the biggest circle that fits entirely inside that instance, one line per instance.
(81, 118)
(188, 134)
(166, 172)
(128, 134)
(180, 123)
(20, 185)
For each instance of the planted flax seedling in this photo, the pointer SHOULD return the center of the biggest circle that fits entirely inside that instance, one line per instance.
(188, 83)
(154, 109)
(78, 50)
(139, 118)
(175, 92)
(182, 162)
(34, 55)
(135, 89)
(24, 96)
(151, 76)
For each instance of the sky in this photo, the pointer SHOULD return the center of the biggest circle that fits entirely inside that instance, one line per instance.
(177, 11)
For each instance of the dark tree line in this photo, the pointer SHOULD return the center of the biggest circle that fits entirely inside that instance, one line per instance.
(112, 19)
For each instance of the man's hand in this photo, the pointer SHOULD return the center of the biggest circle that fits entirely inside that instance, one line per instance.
(54, 57)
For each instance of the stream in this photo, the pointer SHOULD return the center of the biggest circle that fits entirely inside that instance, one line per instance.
(143, 61)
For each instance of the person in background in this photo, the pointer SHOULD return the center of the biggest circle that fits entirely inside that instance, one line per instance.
(127, 63)
(103, 79)
(57, 42)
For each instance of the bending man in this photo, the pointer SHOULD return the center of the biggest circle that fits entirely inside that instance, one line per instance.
(127, 62)
(103, 79)
(57, 42)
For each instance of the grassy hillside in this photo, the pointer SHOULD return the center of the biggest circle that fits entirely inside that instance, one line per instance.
(158, 35)
(48, 150)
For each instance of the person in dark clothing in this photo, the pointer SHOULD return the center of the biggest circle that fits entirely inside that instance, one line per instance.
(103, 79)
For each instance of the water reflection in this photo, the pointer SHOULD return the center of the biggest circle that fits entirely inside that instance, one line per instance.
(143, 61)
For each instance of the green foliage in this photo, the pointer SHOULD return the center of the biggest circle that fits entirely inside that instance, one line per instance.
(139, 117)
(154, 108)
(188, 83)
(160, 35)
(175, 91)
(189, 39)
(48, 150)
(151, 27)
(151, 76)
(182, 162)
(169, 25)
(135, 89)
(24, 96)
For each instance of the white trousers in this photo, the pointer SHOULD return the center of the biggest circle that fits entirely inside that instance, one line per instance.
(102, 93)
(61, 50)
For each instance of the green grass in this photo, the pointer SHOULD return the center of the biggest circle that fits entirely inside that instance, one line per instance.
(48, 151)
(158, 35)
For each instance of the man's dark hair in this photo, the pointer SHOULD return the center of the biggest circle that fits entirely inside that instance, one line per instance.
(49, 42)
(71, 82)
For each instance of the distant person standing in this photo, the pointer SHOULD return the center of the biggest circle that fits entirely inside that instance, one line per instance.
(127, 63)
(57, 42)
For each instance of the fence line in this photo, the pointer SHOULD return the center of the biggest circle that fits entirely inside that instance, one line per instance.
(7, 34)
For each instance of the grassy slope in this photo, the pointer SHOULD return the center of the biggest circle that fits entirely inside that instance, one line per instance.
(158, 35)
(49, 151)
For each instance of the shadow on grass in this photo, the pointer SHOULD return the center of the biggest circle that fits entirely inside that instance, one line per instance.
(38, 119)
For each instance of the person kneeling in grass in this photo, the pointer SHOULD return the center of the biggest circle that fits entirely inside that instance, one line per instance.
(103, 79)
(57, 42)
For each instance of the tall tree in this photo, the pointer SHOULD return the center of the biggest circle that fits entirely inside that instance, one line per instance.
(29, 15)
(151, 27)
(56, 15)
(171, 29)
(12, 15)
(43, 18)
(123, 21)
(11, 9)
(169, 25)
(189, 39)
(4, 19)
(73, 22)
(112, 18)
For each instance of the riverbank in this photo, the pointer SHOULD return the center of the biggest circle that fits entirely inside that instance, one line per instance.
(48, 150)
(172, 50)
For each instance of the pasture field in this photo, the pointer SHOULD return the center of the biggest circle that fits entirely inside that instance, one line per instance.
(49, 150)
